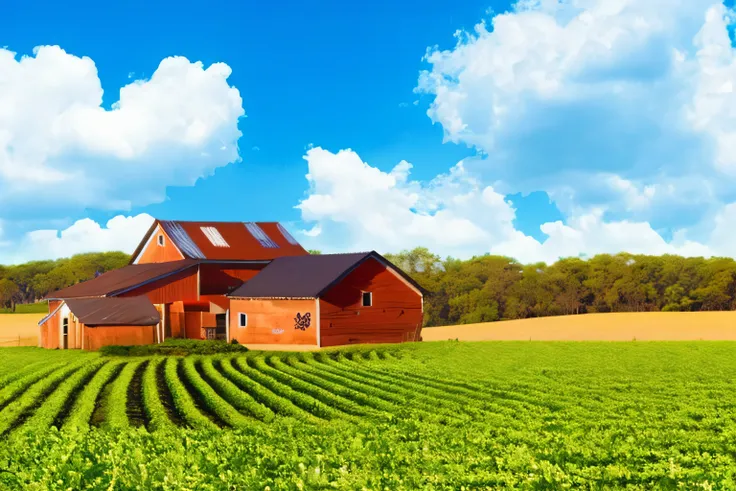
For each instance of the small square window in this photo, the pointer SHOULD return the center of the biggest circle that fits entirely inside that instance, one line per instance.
(161, 240)
(243, 320)
(367, 299)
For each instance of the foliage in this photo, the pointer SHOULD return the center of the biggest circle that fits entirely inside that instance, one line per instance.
(480, 289)
(175, 347)
(35, 279)
(442, 415)
(489, 288)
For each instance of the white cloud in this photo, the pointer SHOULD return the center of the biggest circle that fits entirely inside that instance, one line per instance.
(61, 151)
(121, 233)
(361, 207)
(624, 112)
(455, 215)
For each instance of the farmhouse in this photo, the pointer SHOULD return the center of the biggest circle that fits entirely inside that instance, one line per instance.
(252, 282)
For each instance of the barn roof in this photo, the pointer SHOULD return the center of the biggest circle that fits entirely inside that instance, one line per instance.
(114, 311)
(308, 276)
(123, 279)
(227, 241)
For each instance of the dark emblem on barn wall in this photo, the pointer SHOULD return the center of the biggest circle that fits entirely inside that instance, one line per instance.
(302, 322)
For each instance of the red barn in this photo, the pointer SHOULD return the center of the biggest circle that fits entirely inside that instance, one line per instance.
(202, 280)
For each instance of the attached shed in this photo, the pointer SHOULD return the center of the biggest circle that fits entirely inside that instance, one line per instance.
(90, 323)
(327, 300)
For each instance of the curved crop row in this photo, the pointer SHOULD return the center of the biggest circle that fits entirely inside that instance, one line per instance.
(212, 400)
(116, 406)
(426, 407)
(14, 389)
(310, 398)
(14, 375)
(492, 396)
(84, 406)
(443, 398)
(158, 418)
(183, 401)
(362, 404)
(45, 415)
(15, 412)
(232, 393)
(398, 398)
(279, 405)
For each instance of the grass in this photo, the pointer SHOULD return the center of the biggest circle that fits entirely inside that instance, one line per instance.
(28, 308)
(441, 415)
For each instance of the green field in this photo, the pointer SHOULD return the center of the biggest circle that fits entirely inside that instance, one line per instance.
(27, 308)
(444, 415)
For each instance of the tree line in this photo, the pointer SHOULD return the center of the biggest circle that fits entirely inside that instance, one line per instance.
(490, 288)
(481, 289)
(30, 282)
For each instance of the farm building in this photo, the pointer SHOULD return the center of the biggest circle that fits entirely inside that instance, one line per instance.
(252, 282)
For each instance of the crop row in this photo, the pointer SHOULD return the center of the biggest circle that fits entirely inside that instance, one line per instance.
(165, 394)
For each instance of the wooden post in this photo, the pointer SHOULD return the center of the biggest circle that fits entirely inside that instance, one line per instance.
(227, 325)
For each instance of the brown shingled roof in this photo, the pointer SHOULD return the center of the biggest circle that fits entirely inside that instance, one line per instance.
(120, 280)
(114, 311)
(308, 276)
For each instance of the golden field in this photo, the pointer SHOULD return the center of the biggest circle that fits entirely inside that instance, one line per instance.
(624, 326)
(19, 329)
(22, 329)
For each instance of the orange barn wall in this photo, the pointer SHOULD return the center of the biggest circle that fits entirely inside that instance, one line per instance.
(221, 278)
(155, 253)
(394, 317)
(49, 330)
(272, 321)
(97, 337)
(175, 318)
(220, 300)
(181, 286)
(193, 325)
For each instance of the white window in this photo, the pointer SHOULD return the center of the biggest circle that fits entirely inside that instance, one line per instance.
(161, 240)
(214, 235)
(367, 299)
(242, 320)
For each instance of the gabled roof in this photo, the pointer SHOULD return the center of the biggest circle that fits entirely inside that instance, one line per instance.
(308, 276)
(123, 279)
(111, 311)
(115, 311)
(227, 241)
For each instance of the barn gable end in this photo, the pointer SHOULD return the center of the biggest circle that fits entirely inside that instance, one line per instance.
(394, 313)
(157, 247)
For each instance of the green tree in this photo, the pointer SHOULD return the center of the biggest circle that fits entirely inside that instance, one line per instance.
(8, 293)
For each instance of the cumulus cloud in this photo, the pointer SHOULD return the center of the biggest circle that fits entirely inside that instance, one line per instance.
(121, 233)
(623, 112)
(61, 151)
(361, 207)
(454, 214)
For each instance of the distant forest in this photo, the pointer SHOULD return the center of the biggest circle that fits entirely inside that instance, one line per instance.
(482, 289)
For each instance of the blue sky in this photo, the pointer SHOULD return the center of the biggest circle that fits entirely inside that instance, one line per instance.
(603, 144)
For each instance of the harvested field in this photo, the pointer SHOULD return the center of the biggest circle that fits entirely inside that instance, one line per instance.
(19, 329)
(623, 326)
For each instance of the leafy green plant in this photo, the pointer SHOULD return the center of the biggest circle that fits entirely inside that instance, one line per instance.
(175, 347)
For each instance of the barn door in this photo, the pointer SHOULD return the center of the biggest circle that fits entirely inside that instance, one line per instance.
(65, 333)
(167, 320)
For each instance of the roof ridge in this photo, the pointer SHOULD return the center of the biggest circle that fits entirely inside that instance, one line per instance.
(218, 221)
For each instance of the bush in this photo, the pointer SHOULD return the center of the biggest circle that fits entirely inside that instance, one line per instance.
(175, 347)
